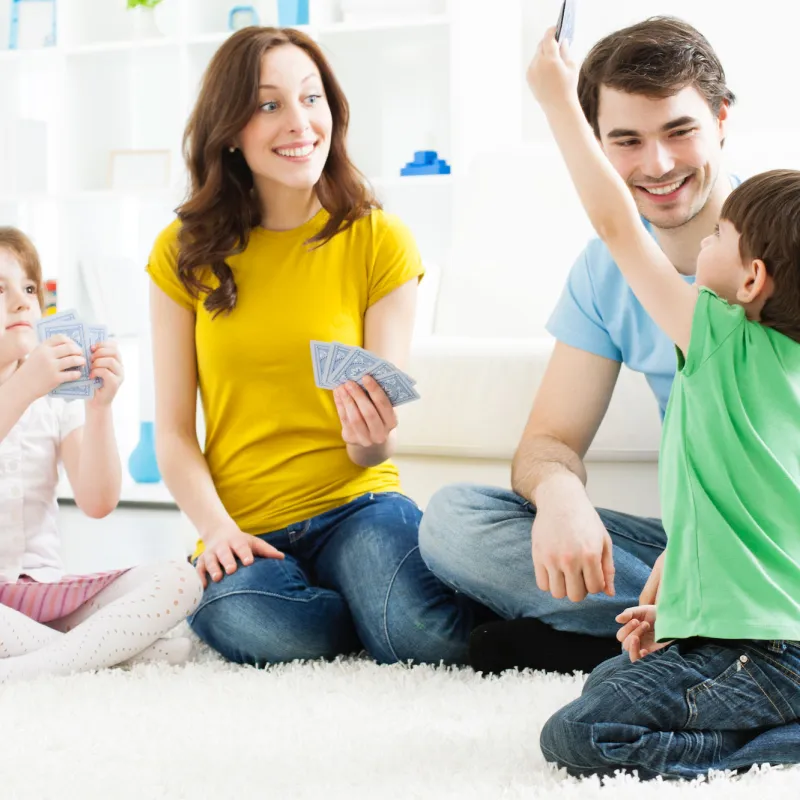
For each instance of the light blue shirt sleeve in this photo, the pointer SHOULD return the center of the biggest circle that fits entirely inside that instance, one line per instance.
(576, 320)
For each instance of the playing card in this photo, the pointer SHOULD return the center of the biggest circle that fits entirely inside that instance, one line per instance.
(338, 353)
(74, 390)
(75, 331)
(398, 389)
(319, 358)
(565, 27)
(69, 324)
(97, 334)
(335, 363)
(357, 364)
(70, 315)
(386, 368)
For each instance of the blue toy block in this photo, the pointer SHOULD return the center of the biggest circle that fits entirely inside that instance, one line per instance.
(426, 162)
(424, 157)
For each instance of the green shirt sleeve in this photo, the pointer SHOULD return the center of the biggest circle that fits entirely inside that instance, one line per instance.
(714, 322)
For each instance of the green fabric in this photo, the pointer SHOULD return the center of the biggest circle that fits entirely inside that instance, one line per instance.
(730, 482)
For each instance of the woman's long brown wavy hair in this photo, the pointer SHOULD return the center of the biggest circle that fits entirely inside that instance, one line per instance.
(222, 207)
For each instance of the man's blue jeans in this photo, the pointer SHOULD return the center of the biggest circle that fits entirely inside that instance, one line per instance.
(477, 540)
(352, 578)
(698, 705)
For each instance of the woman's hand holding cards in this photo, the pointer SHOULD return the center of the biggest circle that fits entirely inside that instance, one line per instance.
(367, 415)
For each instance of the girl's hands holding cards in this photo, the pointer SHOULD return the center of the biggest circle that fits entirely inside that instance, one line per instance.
(50, 364)
(367, 415)
(553, 75)
(106, 364)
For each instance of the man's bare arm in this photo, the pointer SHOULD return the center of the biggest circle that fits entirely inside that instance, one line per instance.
(569, 406)
(571, 549)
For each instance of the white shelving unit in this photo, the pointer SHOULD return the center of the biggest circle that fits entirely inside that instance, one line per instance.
(416, 82)
(438, 80)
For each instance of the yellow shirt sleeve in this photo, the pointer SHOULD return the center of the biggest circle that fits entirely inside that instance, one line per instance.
(162, 267)
(397, 259)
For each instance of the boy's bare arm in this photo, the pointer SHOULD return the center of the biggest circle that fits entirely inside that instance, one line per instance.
(668, 299)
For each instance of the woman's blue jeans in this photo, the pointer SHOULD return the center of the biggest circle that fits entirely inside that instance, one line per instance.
(352, 578)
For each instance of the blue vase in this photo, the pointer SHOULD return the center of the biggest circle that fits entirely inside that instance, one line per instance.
(292, 12)
(142, 464)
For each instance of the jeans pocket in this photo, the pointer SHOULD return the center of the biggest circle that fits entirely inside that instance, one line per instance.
(742, 697)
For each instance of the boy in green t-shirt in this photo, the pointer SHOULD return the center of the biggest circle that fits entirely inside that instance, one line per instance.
(716, 664)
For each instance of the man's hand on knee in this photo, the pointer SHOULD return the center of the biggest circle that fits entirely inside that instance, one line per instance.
(571, 548)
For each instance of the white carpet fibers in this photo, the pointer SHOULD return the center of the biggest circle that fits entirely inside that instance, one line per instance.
(350, 729)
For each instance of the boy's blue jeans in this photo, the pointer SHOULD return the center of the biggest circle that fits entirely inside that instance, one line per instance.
(352, 578)
(697, 705)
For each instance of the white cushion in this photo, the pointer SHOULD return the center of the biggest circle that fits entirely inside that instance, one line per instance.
(477, 394)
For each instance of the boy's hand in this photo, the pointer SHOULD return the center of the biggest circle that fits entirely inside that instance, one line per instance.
(552, 75)
(49, 365)
(637, 633)
(651, 589)
(106, 364)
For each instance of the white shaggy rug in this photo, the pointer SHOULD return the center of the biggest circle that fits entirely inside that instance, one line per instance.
(349, 729)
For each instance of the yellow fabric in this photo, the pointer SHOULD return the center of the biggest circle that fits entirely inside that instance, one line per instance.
(273, 439)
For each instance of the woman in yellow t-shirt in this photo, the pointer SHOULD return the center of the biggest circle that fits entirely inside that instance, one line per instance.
(309, 543)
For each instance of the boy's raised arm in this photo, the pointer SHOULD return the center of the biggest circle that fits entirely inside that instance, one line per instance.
(668, 299)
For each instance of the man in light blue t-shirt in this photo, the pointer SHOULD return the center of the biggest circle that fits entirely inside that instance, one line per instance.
(656, 96)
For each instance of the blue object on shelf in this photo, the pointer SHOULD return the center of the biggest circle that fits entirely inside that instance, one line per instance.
(13, 38)
(292, 12)
(426, 162)
(142, 464)
(242, 17)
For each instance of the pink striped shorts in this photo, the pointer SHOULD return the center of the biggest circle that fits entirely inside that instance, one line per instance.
(45, 602)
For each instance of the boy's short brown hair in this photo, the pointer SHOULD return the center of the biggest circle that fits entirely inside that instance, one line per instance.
(765, 210)
(22, 247)
(656, 58)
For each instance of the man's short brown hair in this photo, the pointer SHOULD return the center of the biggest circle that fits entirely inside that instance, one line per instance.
(657, 58)
(22, 247)
(765, 210)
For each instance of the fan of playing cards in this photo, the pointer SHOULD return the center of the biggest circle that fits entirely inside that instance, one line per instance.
(335, 363)
(67, 323)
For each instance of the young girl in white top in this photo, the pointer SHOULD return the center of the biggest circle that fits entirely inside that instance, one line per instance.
(52, 623)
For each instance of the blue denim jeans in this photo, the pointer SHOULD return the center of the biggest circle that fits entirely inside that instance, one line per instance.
(477, 540)
(352, 578)
(698, 705)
